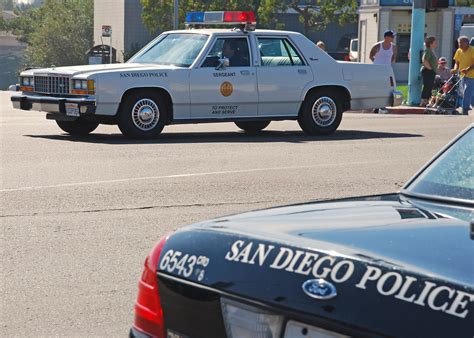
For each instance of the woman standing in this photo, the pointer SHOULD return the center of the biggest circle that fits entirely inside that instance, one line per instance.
(428, 69)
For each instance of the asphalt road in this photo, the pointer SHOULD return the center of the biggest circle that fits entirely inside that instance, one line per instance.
(78, 216)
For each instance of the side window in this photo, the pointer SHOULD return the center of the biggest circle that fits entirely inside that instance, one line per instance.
(235, 49)
(278, 52)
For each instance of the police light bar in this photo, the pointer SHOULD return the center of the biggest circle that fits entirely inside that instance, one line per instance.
(220, 18)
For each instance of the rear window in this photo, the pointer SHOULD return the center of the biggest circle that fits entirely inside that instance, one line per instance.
(276, 52)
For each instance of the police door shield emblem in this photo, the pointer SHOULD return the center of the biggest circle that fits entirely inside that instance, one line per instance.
(226, 88)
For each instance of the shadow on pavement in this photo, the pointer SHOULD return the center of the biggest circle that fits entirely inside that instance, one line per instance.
(229, 137)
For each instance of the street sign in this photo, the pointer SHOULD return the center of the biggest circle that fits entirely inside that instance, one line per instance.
(106, 31)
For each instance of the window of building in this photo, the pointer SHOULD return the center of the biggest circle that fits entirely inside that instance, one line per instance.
(403, 45)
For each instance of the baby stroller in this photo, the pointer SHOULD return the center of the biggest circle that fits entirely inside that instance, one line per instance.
(445, 101)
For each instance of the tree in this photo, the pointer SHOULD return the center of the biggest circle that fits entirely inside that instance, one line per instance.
(25, 24)
(58, 33)
(314, 15)
(158, 14)
(6, 5)
(268, 13)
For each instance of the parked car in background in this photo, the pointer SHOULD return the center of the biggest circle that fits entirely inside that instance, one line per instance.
(354, 50)
(467, 30)
(340, 56)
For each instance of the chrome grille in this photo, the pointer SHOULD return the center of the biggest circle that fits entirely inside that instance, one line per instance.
(52, 84)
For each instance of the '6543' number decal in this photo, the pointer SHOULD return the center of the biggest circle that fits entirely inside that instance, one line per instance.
(184, 265)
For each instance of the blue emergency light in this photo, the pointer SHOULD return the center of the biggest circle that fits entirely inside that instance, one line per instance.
(220, 18)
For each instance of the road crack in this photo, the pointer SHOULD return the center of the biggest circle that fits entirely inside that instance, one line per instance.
(169, 206)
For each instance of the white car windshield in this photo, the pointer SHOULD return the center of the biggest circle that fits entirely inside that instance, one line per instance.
(174, 49)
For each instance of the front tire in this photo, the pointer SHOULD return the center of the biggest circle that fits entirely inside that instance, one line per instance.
(78, 127)
(142, 115)
(252, 126)
(321, 113)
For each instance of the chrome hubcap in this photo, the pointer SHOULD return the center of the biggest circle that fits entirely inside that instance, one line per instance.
(145, 114)
(324, 111)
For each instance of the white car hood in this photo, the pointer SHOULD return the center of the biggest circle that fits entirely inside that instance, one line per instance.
(93, 69)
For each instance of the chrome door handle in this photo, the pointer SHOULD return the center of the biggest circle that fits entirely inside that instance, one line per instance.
(302, 71)
(245, 72)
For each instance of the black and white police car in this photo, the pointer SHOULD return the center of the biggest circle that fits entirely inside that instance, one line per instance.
(399, 265)
(241, 75)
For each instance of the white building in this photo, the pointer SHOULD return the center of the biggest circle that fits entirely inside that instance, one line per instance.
(128, 30)
(377, 16)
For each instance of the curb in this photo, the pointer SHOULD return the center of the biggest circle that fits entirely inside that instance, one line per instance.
(406, 110)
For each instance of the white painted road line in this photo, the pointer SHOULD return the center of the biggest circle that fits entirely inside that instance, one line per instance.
(132, 179)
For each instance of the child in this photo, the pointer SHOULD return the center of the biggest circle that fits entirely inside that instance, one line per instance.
(444, 73)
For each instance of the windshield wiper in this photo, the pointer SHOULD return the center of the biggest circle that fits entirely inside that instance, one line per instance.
(435, 198)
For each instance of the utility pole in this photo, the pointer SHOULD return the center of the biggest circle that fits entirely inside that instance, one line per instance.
(176, 14)
(111, 53)
(416, 50)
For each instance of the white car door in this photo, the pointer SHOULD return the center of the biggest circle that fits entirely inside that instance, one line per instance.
(281, 76)
(229, 92)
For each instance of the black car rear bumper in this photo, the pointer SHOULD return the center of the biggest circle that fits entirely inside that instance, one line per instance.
(134, 333)
(52, 104)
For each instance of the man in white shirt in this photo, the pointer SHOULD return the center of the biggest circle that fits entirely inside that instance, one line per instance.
(384, 52)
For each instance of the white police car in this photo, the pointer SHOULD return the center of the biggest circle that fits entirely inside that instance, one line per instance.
(242, 75)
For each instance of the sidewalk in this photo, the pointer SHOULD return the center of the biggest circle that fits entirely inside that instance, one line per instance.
(393, 110)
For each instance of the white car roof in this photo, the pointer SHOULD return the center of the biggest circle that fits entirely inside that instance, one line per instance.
(217, 31)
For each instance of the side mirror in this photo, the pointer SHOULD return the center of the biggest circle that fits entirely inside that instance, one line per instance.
(223, 63)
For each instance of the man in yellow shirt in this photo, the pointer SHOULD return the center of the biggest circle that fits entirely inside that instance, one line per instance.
(464, 58)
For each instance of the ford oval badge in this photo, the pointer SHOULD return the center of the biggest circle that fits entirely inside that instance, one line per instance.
(319, 289)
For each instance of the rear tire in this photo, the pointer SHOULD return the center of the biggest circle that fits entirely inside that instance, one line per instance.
(142, 115)
(78, 127)
(252, 126)
(321, 113)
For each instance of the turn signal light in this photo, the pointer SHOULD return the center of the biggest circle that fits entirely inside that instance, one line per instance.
(148, 310)
(82, 92)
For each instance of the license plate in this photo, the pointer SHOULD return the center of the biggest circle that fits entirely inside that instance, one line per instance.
(72, 109)
(300, 330)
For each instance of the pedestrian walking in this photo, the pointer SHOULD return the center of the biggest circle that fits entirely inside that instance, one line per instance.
(428, 69)
(464, 63)
(384, 52)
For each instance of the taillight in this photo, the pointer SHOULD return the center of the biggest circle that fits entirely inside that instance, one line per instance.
(148, 311)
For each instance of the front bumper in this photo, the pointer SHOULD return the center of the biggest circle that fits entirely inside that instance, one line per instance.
(53, 104)
(397, 98)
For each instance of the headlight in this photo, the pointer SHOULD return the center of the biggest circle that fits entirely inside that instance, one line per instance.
(80, 84)
(83, 84)
(27, 81)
